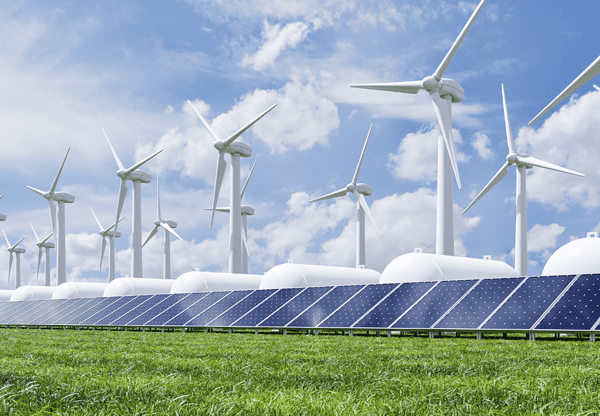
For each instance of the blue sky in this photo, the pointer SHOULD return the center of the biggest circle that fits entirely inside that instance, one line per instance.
(71, 68)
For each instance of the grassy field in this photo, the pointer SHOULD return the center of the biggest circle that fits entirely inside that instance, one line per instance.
(108, 372)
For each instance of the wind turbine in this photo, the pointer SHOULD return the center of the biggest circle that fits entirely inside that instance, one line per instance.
(18, 251)
(358, 190)
(245, 211)
(444, 92)
(61, 198)
(168, 226)
(111, 234)
(43, 244)
(137, 176)
(521, 161)
(589, 73)
(2, 216)
(236, 150)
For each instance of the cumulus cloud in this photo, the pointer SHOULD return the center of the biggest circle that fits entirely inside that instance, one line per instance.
(481, 144)
(542, 237)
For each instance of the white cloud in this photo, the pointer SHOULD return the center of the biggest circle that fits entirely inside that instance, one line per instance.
(543, 237)
(481, 144)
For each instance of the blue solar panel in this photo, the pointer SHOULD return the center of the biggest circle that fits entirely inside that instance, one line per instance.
(384, 314)
(157, 309)
(36, 308)
(179, 305)
(136, 309)
(110, 306)
(578, 309)
(480, 303)
(242, 307)
(325, 306)
(357, 306)
(295, 307)
(4, 306)
(197, 308)
(44, 313)
(218, 308)
(64, 309)
(528, 303)
(267, 307)
(434, 304)
(111, 314)
(11, 310)
(87, 310)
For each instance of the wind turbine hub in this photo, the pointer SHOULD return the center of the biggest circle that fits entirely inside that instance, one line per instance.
(451, 88)
(170, 223)
(220, 146)
(351, 187)
(430, 84)
(512, 158)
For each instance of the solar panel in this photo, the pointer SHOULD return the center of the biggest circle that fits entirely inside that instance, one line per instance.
(178, 306)
(267, 307)
(578, 308)
(390, 308)
(136, 308)
(295, 306)
(110, 314)
(196, 308)
(5, 306)
(528, 303)
(12, 309)
(64, 309)
(43, 313)
(433, 305)
(34, 309)
(240, 308)
(79, 315)
(324, 306)
(158, 308)
(108, 307)
(479, 303)
(218, 308)
(357, 306)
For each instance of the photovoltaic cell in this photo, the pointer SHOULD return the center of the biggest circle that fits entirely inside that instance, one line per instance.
(36, 308)
(179, 306)
(325, 306)
(357, 306)
(242, 307)
(198, 307)
(218, 308)
(384, 314)
(81, 314)
(528, 303)
(295, 306)
(137, 309)
(266, 308)
(14, 308)
(110, 314)
(157, 309)
(578, 309)
(4, 306)
(108, 308)
(65, 308)
(44, 313)
(434, 304)
(480, 303)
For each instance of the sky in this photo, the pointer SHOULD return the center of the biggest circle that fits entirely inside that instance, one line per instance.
(70, 69)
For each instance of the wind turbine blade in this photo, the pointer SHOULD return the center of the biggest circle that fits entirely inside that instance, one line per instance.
(532, 161)
(212, 133)
(443, 111)
(221, 166)
(18, 242)
(53, 187)
(53, 217)
(355, 178)
(247, 180)
(408, 87)
(439, 72)
(501, 174)
(336, 194)
(245, 240)
(122, 195)
(39, 262)
(37, 191)
(46, 239)
(158, 197)
(10, 260)
(140, 163)
(363, 203)
(34, 233)
(97, 221)
(6, 238)
(595, 86)
(119, 164)
(3, 194)
(509, 136)
(169, 229)
(152, 233)
(218, 209)
(238, 133)
(113, 224)
(589, 73)
(102, 253)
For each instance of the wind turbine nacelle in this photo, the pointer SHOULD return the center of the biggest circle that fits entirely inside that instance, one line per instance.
(111, 233)
(247, 210)
(139, 175)
(453, 89)
(364, 189)
(48, 244)
(19, 250)
(2, 217)
(171, 223)
(64, 197)
(239, 148)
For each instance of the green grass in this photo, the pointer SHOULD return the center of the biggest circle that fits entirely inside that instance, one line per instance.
(110, 372)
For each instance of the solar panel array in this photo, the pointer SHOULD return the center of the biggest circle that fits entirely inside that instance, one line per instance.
(537, 303)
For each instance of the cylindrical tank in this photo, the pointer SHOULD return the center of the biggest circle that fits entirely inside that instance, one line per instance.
(128, 286)
(5, 295)
(197, 281)
(424, 267)
(32, 293)
(577, 257)
(304, 275)
(72, 290)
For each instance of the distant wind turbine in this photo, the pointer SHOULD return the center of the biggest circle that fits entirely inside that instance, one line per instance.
(2, 216)
(444, 92)
(111, 234)
(43, 244)
(18, 251)
(522, 162)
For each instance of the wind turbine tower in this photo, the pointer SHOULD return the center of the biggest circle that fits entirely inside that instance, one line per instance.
(43, 244)
(235, 150)
(62, 198)
(2, 216)
(111, 234)
(444, 92)
(18, 251)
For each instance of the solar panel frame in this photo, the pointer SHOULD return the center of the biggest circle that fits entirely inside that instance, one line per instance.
(456, 303)
(11, 310)
(94, 312)
(564, 291)
(4, 305)
(36, 307)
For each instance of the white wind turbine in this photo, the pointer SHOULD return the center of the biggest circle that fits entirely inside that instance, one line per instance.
(111, 234)
(2, 216)
(522, 162)
(444, 92)
(358, 190)
(137, 176)
(61, 198)
(245, 211)
(18, 251)
(43, 244)
(168, 226)
(589, 73)
(236, 150)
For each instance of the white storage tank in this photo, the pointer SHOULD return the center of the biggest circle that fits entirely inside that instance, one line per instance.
(197, 281)
(130, 286)
(5, 295)
(425, 267)
(305, 275)
(32, 293)
(73, 290)
(577, 257)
